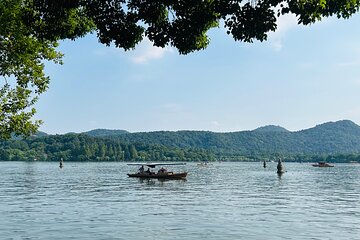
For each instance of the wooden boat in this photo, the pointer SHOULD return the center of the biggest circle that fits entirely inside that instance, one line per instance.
(168, 175)
(322, 164)
(160, 174)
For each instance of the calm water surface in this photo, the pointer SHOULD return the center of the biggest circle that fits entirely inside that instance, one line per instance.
(223, 201)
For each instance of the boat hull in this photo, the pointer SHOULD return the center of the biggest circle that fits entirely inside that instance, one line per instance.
(322, 165)
(159, 176)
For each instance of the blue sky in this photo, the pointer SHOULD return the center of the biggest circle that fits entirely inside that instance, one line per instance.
(302, 76)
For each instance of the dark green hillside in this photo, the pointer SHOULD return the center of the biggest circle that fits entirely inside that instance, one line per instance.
(40, 134)
(80, 147)
(329, 138)
(335, 140)
(183, 139)
(271, 128)
(37, 134)
(105, 132)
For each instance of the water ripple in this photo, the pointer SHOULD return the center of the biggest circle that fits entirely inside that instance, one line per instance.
(222, 201)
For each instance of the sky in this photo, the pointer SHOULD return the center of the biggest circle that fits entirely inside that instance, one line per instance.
(302, 76)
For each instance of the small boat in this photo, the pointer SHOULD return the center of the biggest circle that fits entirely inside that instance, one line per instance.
(162, 173)
(203, 164)
(322, 164)
(168, 175)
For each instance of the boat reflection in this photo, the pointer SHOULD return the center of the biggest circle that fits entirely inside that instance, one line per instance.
(160, 181)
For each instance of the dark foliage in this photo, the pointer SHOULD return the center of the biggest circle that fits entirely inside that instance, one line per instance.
(80, 147)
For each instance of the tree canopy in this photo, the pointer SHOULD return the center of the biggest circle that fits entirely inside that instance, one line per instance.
(30, 31)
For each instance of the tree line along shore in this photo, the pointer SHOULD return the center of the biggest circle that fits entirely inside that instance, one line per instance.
(82, 147)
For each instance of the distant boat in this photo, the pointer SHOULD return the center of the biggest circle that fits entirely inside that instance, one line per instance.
(203, 164)
(322, 164)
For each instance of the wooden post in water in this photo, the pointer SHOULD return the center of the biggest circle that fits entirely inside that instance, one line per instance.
(280, 167)
(264, 164)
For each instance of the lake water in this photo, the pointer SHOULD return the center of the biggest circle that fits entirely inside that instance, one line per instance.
(38, 200)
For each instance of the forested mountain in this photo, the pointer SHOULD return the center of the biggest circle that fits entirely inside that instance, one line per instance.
(328, 138)
(271, 128)
(332, 137)
(105, 132)
(340, 138)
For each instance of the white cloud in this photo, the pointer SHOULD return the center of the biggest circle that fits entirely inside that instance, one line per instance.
(284, 24)
(143, 53)
(146, 52)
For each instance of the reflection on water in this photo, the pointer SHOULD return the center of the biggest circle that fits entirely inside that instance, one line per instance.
(161, 181)
(220, 201)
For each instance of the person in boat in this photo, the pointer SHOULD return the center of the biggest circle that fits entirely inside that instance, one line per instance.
(148, 171)
(141, 169)
(162, 170)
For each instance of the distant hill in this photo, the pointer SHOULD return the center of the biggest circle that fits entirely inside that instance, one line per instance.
(105, 133)
(344, 126)
(328, 138)
(271, 128)
(40, 134)
(332, 137)
(340, 139)
(37, 134)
